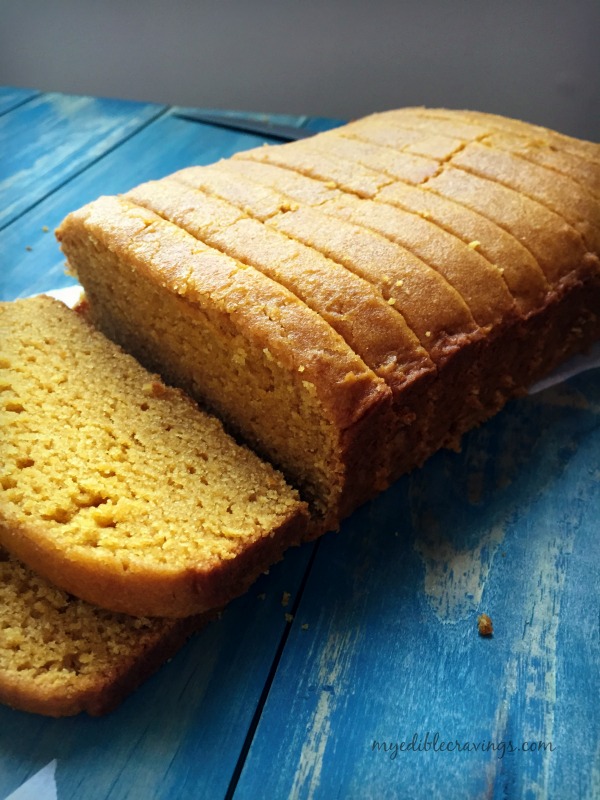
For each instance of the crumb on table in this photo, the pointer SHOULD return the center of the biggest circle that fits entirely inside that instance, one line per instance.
(484, 625)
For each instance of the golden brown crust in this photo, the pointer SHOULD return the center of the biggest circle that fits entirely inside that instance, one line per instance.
(142, 589)
(398, 198)
(309, 159)
(232, 300)
(545, 154)
(430, 305)
(560, 194)
(293, 185)
(590, 151)
(405, 166)
(370, 326)
(557, 246)
(478, 282)
(377, 130)
(524, 278)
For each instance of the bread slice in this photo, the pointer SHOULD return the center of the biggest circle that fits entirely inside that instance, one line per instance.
(496, 276)
(117, 488)
(60, 656)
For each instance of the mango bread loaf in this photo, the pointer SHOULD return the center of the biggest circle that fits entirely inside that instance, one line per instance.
(117, 488)
(480, 234)
(60, 656)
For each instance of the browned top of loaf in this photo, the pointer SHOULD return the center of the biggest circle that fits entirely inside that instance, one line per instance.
(60, 656)
(561, 173)
(464, 169)
(561, 143)
(361, 315)
(264, 311)
(374, 225)
(522, 273)
(560, 193)
(281, 199)
(116, 487)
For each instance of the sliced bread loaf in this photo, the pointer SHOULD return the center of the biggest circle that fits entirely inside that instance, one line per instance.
(494, 277)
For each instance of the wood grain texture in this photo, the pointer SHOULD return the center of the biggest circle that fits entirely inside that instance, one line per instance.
(48, 140)
(508, 527)
(11, 97)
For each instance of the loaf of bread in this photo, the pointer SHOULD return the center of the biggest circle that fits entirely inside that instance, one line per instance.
(60, 656)
(117, 488)
(350, 303)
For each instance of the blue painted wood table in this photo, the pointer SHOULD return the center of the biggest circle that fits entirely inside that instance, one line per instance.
(372, 682)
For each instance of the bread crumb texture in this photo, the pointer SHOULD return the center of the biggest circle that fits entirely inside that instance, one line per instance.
(55, 644)
(99, 457)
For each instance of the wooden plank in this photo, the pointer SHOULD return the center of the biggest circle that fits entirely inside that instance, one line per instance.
(509, 527)
(11, 97)
(31, 259)
(180, 734)
(48, 140)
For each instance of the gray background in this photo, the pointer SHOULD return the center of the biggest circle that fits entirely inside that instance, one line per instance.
(535, 60)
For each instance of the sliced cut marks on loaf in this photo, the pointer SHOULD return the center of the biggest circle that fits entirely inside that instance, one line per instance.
(432, 308)
(61, 656)
(558, 193)
(512, 208)
(520, 296)
(534, 195)
(440, 133)
(479, 282)
(362, 229)
(542, 152)
(408, 285)
(377, 130)
(436, 138)
(521, 272)
(118, 488)
(532, 290)
(426, 299)
(558, 248)
(352, 231)
(539, 165)
(361, 315)
(323, 164)
(272, 368)
(397, 164)
(561, 141)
